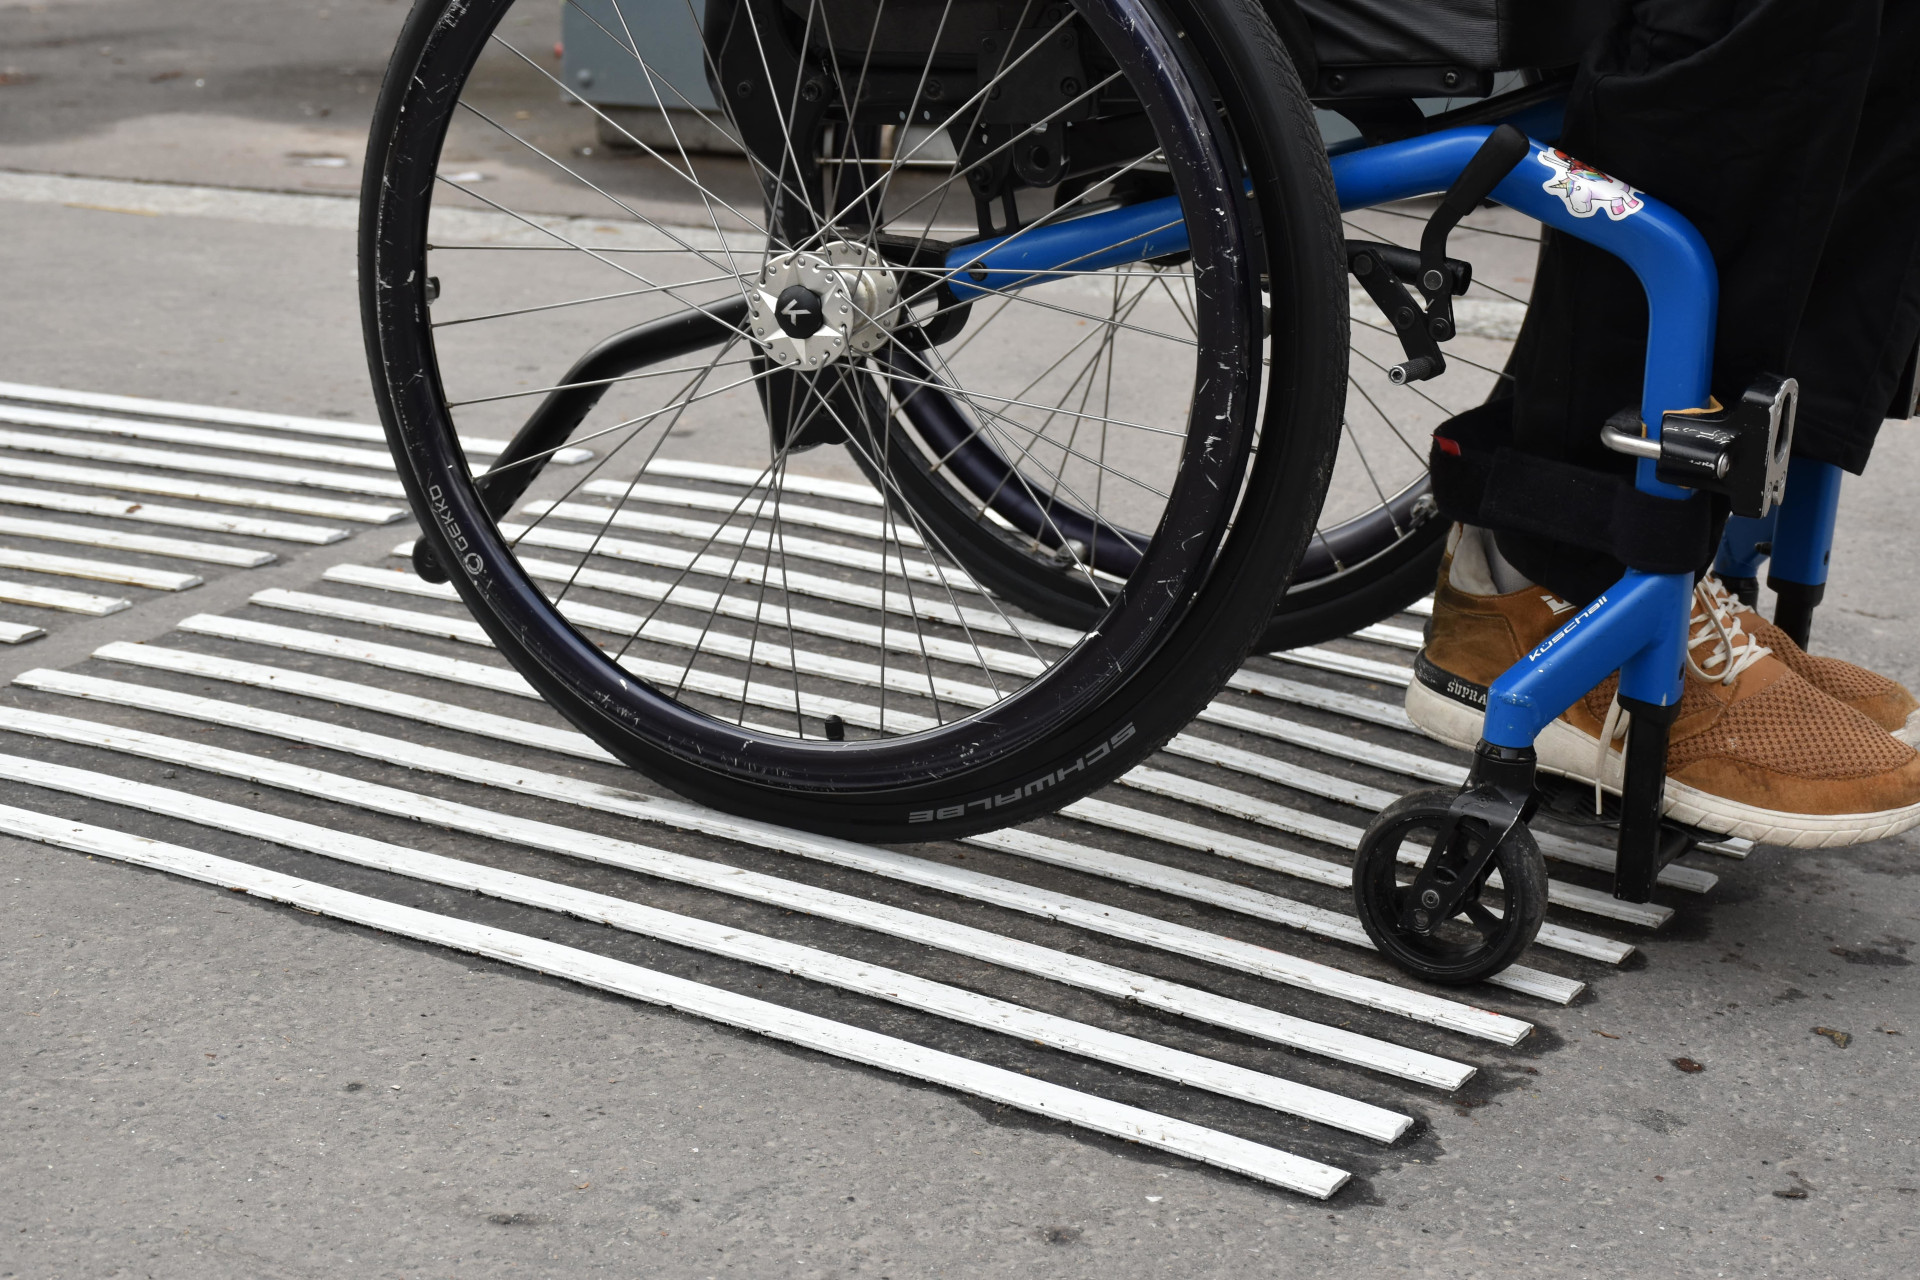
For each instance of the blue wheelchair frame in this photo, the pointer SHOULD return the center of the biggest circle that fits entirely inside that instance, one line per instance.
(1797, 536)
(1637, 627)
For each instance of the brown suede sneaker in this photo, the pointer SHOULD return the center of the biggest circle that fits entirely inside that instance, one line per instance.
(1757, 751)
(1885, 702)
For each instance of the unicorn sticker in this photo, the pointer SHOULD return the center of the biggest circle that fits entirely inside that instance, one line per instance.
(1584, 189)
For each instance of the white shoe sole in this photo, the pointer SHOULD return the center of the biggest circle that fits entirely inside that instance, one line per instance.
(1909, 732)
(1568, 753)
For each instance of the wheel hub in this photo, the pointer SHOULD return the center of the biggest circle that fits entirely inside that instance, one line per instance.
(814, 306)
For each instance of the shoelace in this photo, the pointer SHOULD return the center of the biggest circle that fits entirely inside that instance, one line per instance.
(1613, 729)
(1713, 619)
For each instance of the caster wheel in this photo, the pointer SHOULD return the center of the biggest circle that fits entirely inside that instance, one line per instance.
(1468, 937)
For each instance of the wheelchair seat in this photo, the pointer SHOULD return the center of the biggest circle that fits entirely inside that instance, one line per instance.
(1432, 48)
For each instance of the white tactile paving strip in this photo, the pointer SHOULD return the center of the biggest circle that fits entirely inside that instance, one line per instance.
(1188, 929)
(104, 508)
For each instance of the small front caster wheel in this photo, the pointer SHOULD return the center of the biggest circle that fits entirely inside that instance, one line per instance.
(1442, 927)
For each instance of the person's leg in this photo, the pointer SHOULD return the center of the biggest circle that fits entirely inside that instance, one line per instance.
(1862, 316)
(1743, 117)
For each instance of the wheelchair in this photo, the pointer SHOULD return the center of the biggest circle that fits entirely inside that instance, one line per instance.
(1068, 294)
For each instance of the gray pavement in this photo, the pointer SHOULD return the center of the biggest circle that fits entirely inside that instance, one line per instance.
(199, 1084)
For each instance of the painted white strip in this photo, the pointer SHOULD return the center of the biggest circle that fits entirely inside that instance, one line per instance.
(820, 624)
(1673, 875)
(741, 507)
(776, 696)
(1060, 853)
(1731, 847)
(922, 604)
(1098, 812)
(203, 437)
(147, 544)
(204, 463)
(772, 617)
(201, 491)
(1314, 827)
(125, 575)
(1238, 898)
(1339, 834)
(1336, 875)
(1345, 664)
(881, 983)
(1282, 772)
(1238, 804)
(367, 697)
(386, 656)
(757, 538)
(1360, 751)
(1075, 971)
(1312, 695)
(1421, 608)
(1338, 745)
(815, 486)
(368, 432)
(775, 1021)
(962, 694)
(1190, 835)
(177, 517)
(1397, 637)
(1079, 913)
(864, 715)
(1552, 844)
(465, 630)
(957, 652)
(65, 601)
(19, 632)
(757, 652)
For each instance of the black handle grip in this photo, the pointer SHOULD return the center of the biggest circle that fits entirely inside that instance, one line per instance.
(1504, 148)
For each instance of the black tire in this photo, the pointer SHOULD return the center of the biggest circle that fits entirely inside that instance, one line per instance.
(1346, 598)
(1477, 942)
(1215, 83)
(1378, 545)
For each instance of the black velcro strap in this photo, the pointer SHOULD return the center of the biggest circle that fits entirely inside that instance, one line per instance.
(1480, 479)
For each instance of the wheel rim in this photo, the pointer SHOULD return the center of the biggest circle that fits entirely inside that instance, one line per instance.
(1379, 513)
(751, 644)
(1379, 517)
(1473, 937)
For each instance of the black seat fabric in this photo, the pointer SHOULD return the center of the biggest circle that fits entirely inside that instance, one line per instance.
(1472, 35)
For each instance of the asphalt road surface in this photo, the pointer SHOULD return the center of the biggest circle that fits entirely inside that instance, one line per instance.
(204, 1083)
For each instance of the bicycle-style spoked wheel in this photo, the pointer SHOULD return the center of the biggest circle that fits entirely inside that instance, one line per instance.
(1046, 231)
(1377, 546)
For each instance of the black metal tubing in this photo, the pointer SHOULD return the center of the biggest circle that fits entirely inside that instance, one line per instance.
(581, 388)
(969, 457)
(1499, 795)
(1641, 848)
(1793, 611)
(553, 423)
(1355, 541)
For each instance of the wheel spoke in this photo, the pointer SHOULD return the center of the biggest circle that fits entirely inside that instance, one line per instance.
(511, 312)
(1483, 919)
(1075, 386)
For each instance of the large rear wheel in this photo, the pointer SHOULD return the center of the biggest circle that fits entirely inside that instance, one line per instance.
(797, 630)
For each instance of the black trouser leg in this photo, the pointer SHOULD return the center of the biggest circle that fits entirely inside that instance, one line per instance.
(1777, 127)
(1862, 316)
